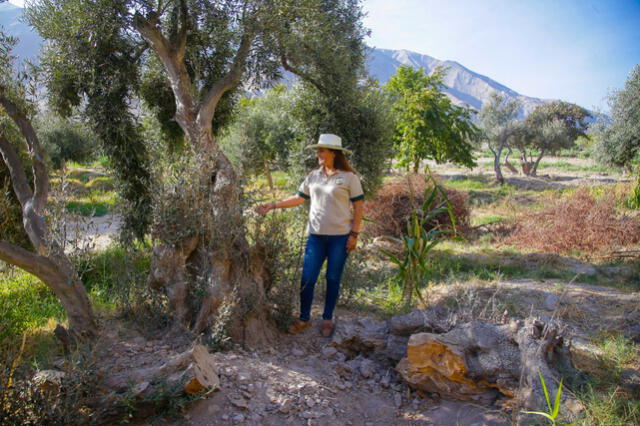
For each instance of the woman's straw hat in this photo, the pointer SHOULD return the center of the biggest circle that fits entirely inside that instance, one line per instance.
(330, 141)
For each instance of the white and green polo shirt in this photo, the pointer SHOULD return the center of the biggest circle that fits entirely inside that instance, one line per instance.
(331, 198)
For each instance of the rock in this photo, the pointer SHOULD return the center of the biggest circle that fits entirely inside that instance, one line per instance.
(385, 381)
(367, 368)
(297, 353)
(238, 401)
(285, 406)
(396, 347)
(328, 352)
(551, 302)
(360, 336)
(243, 377)
(397, 399)
(632, 332)
(49, 381)
(630, 381)
(586, 356)
(423, 320)
(344, 370)
(238, 418)
(139, 389)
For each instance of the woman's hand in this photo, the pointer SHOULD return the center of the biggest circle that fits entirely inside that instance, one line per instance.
(352, 241)
(265, 208)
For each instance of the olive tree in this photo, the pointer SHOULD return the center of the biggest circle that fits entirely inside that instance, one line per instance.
(262, 133)
(499, 125)
(618, 143)
(550, 128)
(205, 50)
(44, 257)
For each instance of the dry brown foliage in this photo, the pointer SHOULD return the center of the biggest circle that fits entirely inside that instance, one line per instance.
(579, 222)
(391, 209)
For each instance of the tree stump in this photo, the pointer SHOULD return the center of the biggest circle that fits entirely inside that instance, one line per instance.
(474, 361)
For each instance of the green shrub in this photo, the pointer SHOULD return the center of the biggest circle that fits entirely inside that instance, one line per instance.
(67, 140)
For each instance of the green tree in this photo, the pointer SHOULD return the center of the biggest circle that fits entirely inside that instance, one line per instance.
(499, 126)
(67, 140)
(206, 50)
(44, 257)
(263, 132)
(618, 144)
(428, 125)
(550, 128)
(361, 116)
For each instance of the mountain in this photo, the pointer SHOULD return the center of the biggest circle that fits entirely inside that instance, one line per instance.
(464, 86)
(11, 24)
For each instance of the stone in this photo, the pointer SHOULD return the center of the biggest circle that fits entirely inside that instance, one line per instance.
(244, 377)
(385, 381)
(238, 401)
(344, 370)
(363, 335)
(630, 381)
(49, 381)
(586, 356)
(285, 406)
(328, 352)
(551, 302)
(397, 399)
(632, 332)
(238, 418)
(139, 389)
(396, 347)
(367, 368)
(423, 320)
(297, 353)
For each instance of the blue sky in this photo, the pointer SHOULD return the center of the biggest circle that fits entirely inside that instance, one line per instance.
(572, 50)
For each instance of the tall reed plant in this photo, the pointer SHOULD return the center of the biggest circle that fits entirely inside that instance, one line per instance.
(423, 234)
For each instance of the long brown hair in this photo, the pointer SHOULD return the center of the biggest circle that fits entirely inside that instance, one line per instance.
(340, 162)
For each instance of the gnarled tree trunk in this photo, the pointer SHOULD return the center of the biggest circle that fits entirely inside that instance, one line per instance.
(49, 263)
(214, 257)
(497, 153)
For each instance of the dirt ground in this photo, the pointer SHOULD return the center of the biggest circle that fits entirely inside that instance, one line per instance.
(297, 380)
(304, 380)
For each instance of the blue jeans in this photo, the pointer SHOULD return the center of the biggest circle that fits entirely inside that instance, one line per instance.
(321, 247)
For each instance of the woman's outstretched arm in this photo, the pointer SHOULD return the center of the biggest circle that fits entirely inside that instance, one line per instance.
(293, 201)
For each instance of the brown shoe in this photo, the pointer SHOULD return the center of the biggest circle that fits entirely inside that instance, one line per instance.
(326, 329)
(298, 326)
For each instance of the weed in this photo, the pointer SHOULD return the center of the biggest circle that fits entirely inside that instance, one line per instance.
(25, 401)
(25, 304)
(418, 243)
(95, 204)
(554, 410)
(605, 400)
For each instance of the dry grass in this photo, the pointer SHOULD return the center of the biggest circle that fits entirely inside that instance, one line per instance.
(578, 223)
(391, 209)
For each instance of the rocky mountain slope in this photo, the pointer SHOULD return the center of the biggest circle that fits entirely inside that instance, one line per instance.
(464, 86)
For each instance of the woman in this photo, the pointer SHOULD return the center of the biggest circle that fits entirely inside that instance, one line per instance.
(332, 188)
